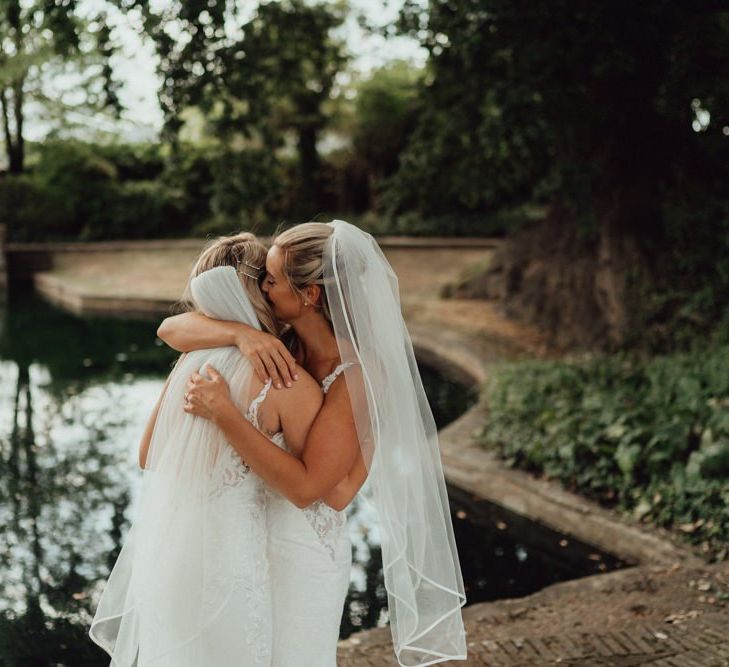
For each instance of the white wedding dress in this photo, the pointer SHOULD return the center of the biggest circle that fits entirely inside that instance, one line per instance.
(191, 585)
(309, 559)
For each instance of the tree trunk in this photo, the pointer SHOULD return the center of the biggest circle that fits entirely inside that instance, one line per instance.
(308, 170)
(14, 143)
(581, 290)
(17, 165)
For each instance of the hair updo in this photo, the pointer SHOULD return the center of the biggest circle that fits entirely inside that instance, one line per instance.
(243, 251)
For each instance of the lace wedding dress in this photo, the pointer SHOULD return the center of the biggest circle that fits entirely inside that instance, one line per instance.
(310, 558)
(191, 585)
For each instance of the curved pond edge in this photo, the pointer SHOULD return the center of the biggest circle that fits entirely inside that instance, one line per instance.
(476, 470)
(466, 465)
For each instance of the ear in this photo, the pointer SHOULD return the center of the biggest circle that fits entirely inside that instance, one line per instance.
(313, 293)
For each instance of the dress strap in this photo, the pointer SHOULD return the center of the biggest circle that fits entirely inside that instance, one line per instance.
(252, 413)
(327, 381)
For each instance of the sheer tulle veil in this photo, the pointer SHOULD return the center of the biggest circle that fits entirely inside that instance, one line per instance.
(180, 560)
(399, 442)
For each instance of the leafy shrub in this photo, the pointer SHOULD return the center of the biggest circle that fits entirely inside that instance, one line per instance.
(650, 437)
(136, 209)
(75, 191)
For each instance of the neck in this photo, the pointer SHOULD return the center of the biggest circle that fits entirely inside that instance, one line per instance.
(318, 342)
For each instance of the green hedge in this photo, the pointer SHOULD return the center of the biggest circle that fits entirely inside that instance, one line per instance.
(648, 437)
(99, 210)
(79, 191)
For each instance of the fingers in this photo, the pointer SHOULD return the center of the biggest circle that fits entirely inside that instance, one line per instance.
(279, 363)
(271, 360)
(282, 368)
(288, 359)
(259, 368)
(272, 370)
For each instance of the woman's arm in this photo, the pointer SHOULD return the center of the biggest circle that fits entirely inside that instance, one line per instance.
(297, 409)
(329, 453)
(344, 492)
(149, 429)
(194, 331)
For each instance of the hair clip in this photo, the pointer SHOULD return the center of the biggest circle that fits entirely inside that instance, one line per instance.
(243, 272)
(253, 266)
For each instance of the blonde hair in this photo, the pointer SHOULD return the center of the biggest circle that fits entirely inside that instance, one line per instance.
(303, 258)
(247, 254)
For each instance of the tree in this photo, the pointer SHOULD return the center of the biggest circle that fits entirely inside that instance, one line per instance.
(257, 77)
(602, 108)
(36, 38)
(386, 107)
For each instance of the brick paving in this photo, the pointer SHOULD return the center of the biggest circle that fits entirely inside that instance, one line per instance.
(662, 616)
(700, 642)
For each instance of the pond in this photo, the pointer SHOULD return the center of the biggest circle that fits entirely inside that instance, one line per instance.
(75, 394)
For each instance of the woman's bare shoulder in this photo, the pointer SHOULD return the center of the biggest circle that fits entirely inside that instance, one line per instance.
(306, 388)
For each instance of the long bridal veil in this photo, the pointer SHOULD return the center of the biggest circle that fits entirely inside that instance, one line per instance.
(399, 442)
(193, 543)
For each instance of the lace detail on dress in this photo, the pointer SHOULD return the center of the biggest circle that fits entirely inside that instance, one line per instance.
(327, 381)
(252, 412)
(247, 574)
(233, 470)
(326, 523)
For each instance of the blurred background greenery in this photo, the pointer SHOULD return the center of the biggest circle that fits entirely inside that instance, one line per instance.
(593, 135)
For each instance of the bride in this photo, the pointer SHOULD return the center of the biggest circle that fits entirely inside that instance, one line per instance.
(192, 583)
(334, 287)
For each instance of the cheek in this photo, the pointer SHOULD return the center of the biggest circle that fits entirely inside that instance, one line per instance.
(284, 299)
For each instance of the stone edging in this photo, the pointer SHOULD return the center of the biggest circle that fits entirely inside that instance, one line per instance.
(58, 292)
(472, 468)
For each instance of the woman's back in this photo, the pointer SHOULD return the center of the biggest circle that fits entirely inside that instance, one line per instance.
(191, 586)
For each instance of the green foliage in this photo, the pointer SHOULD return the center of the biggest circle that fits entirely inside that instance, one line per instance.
(74, 192)
(44, 37)
(687, 305)
(495, 224)
(385, 109)
(246, 188)
(651, 437)
(582, 101)
(268, 82)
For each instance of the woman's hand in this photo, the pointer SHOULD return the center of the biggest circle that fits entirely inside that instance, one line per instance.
(206, 398)
(269, 356)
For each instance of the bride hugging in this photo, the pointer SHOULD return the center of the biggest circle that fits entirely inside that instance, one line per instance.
(240, 554)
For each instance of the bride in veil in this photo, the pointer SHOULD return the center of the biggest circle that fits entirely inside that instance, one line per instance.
(191, 586)
(375, 427)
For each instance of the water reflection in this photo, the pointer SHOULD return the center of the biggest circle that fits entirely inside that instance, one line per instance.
(75, 394)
